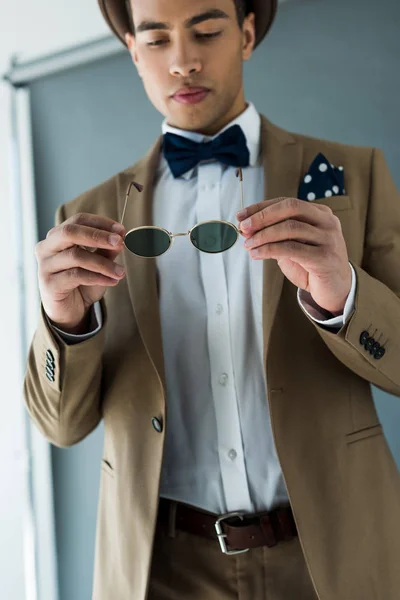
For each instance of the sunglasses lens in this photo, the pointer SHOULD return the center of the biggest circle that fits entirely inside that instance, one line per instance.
(213, 237)
(147, 242)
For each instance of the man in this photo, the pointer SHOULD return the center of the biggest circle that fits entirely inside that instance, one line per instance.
(231, 377)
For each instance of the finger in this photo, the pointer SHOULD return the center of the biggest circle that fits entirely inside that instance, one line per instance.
(75, 257)
(111, 254)
(90, 220)
(248, 211)
(69, 234)
(286, 208)
(251, 210)
(97, 222)
(287, 230)
(70, 279)
(305, 254)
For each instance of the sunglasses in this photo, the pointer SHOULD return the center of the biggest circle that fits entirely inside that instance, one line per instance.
(211, 237)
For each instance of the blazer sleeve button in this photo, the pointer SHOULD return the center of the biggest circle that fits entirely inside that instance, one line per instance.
(370, 342)
(157, 424)
(379, 353)
(50, 356)
(49, 371)
(364, 337)
(374, 348)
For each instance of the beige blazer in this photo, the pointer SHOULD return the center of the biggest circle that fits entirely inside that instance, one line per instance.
(343, 484)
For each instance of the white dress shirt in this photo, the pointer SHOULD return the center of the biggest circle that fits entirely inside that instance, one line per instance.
(219, 450)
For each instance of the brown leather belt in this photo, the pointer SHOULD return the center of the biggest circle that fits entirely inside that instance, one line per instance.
(236, 532)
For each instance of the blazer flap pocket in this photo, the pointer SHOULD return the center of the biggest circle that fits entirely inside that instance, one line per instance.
(336, 203)
(365, 433)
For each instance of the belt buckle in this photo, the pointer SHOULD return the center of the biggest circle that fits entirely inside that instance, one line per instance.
(221, 535)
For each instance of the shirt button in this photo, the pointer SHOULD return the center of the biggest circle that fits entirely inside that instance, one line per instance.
(220, 309)
(232, 454)
(223, 380)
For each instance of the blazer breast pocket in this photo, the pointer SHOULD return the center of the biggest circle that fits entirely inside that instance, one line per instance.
(365, 433)
(336, 203)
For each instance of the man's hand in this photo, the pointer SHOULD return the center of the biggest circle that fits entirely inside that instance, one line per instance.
(76, 264)
(307, 241)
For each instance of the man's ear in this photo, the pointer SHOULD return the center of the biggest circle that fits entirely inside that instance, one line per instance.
(249, 36)
(131, 43)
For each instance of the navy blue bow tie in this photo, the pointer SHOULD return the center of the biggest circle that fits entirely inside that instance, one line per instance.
(183, 154)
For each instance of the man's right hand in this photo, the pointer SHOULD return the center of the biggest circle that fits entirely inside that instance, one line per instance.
(71, 278)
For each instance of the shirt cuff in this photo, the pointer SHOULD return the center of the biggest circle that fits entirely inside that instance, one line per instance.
(71, 337)
(317, 314)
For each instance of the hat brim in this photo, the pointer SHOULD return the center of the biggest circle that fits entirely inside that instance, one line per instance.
(116, 16)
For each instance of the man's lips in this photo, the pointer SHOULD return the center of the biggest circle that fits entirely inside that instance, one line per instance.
(193, 95)
(190, 91)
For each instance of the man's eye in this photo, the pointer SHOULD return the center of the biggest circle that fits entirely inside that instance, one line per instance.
(204, 36)
(209, 35)
(156, 43)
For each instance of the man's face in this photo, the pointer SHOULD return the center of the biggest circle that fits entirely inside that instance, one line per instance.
(176, 55)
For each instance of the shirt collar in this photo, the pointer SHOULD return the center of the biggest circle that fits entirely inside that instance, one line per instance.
(250, 122)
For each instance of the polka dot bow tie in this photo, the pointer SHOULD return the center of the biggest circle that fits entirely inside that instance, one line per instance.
(322, 180)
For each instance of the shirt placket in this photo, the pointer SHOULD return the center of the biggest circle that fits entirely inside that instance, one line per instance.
(224, 392)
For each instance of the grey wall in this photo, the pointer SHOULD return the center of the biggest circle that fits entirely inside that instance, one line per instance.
(328, 68)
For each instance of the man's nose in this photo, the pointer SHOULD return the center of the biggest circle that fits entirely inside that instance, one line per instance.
(185, 62)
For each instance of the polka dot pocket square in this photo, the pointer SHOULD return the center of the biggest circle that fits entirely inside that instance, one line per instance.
(322, 180)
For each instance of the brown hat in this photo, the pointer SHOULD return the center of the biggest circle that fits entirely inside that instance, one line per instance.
(115, 14)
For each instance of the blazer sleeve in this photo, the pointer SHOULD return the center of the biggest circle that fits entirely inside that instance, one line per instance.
(62, 384)
(377, 301)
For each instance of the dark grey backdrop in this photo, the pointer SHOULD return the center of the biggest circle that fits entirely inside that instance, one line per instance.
(328, 68)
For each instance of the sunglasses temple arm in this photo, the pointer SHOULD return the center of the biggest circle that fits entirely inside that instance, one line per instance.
(123, 214)
(139, 187)
(239, 173)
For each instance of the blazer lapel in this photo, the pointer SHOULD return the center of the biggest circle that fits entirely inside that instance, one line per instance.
(282, 160)
(141, 273)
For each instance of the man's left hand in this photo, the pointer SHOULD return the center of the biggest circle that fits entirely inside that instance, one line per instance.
(307, 241)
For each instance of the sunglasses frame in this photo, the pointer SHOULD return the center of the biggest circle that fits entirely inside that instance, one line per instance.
(172, 236)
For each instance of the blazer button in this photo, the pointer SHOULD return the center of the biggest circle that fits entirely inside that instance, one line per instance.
(379, 353)
(157, 424)
(364, 337)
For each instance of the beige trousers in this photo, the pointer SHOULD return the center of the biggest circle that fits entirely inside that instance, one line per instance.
(189, 567)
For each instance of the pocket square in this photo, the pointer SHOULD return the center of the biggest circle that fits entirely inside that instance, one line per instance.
(322, 180)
